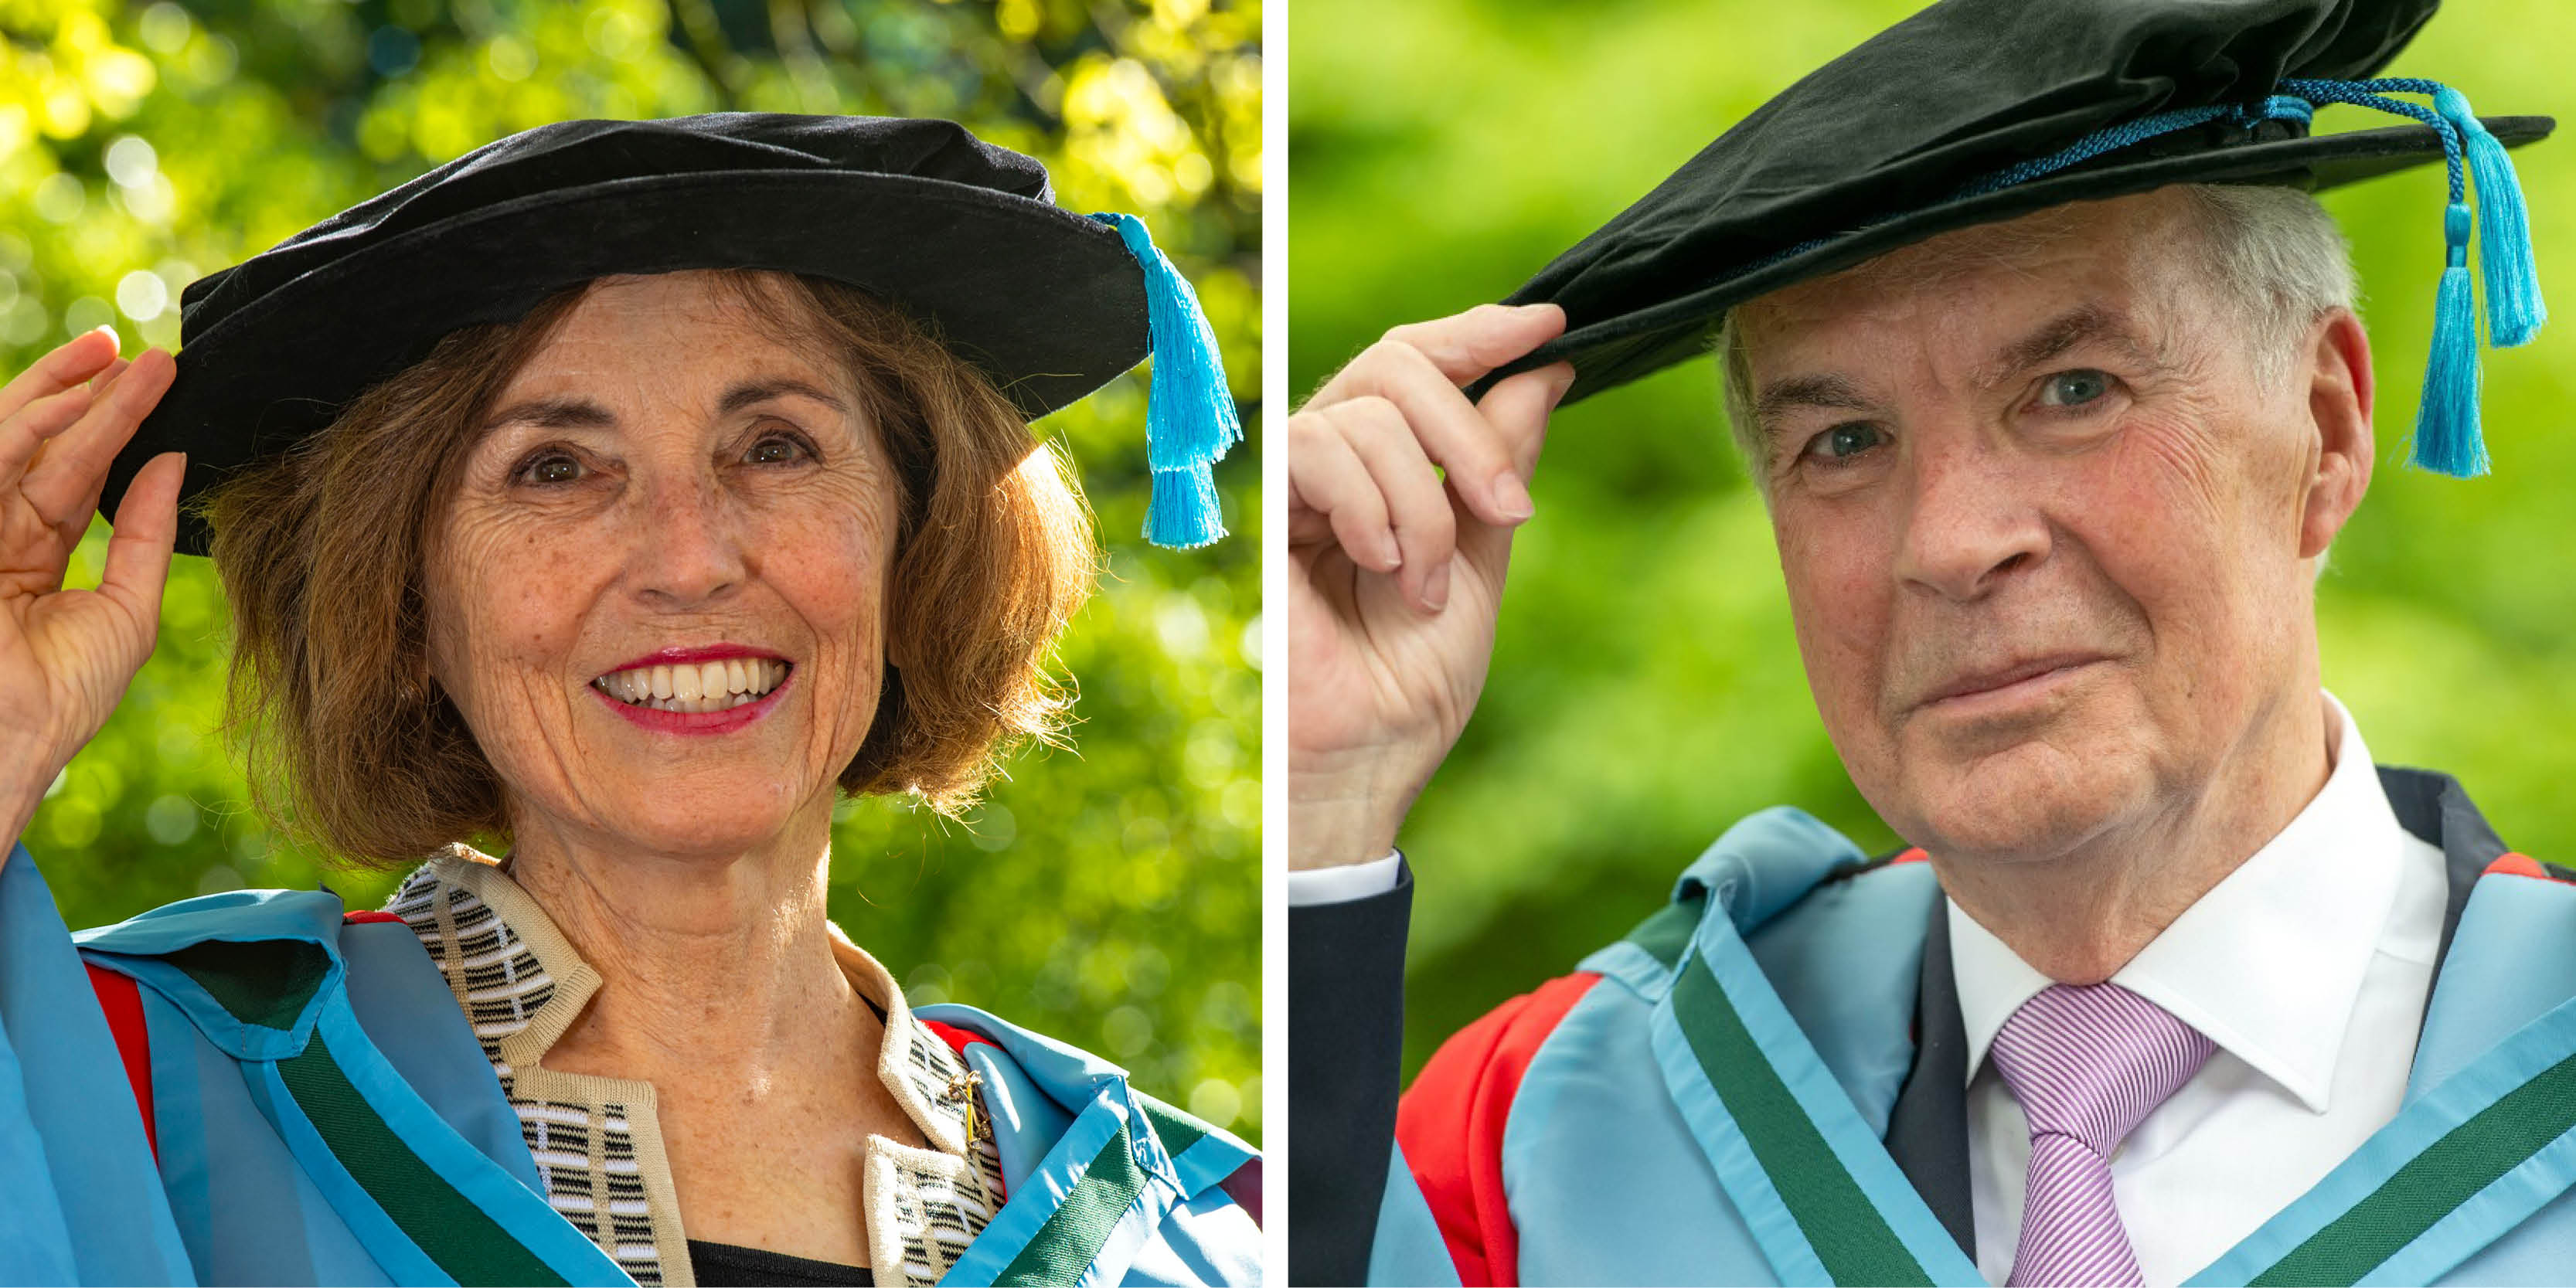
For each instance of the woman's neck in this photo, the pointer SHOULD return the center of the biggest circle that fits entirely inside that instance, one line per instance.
(722, 959)
(719, 986)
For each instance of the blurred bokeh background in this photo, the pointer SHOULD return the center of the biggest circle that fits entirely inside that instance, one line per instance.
(1108, 894)
(1646, 690)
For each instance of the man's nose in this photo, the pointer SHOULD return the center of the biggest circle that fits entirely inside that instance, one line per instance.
(1973, 522)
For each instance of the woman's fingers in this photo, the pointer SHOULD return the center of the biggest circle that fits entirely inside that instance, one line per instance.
(70, 363)
(25, 434)
(69, 471)
(100, 382)
(138, 552)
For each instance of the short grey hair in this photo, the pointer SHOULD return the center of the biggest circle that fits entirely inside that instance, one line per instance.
(2271, 252)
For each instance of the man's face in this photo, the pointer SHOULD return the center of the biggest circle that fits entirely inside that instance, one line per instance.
(2048, 525)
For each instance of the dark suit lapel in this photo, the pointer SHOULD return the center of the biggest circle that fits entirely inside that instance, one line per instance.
(2435, 809)
(1927, 1131)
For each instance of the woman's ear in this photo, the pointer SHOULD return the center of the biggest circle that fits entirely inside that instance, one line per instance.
(2335, 370)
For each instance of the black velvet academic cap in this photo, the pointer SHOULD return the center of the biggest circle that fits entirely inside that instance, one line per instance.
(961, 235)
(1901, 139)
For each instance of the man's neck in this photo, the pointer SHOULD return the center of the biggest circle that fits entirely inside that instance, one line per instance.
(2079, 916)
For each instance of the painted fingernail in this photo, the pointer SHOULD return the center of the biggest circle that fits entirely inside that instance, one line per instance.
(1511, 498)
(1435, 588)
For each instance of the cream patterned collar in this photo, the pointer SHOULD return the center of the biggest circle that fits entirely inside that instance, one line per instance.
(597, 1140)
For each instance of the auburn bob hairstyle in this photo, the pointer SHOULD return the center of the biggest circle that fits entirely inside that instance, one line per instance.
(323, 553)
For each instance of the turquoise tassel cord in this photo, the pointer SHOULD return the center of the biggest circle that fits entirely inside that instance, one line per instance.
(2447, 440)
(1189, 415)
(2447, 437)
(2514, 307)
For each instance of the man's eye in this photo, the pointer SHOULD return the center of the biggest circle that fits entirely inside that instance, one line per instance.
(2073, 388)
(1845, 441)
(551, 469)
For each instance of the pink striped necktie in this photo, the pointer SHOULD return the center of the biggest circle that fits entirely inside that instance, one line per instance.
(2087, 1064)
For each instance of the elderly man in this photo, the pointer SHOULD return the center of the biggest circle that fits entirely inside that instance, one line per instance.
(2172, 984)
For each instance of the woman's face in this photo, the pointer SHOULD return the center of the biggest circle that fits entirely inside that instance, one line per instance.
(658, 594)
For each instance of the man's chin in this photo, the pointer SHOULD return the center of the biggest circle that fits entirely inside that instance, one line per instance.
(2014, 806)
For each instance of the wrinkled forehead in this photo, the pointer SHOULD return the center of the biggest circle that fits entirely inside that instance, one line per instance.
(2131, 256)
(683, 328)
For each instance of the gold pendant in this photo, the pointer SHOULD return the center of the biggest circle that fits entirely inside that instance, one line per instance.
(961, 1092)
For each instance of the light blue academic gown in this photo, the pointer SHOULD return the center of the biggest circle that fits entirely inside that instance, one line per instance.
(323, 1115)
(1722, 1097)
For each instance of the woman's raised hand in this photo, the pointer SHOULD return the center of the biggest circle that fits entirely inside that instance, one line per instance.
(1398, 573)
(66, 655)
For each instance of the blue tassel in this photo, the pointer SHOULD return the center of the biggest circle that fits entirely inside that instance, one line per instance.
(1189, 415)
(2514, 307)
(2446, 422)
(1182, 514)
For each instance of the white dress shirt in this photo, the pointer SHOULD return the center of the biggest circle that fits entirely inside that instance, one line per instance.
(2308, 966)
(1343, 884)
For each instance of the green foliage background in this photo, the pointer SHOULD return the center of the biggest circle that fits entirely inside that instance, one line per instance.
(1646, 689)
(1108, 894)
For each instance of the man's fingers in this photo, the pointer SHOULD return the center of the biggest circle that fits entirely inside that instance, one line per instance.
(1327, 479)
(147, 527)
(70, 363)
(1468, 345)
(73, 463)
(1417, 506)
(1518, 409)
(1452, 433)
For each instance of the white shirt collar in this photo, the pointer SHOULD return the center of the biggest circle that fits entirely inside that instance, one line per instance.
(2270, 962)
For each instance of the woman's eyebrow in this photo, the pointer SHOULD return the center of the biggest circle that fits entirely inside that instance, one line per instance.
(582, 413)
(552, 413)
(752, 393)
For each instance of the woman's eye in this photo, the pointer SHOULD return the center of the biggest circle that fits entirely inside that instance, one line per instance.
(553, 469)
(2073, 388)
(1845, 441)
(777, 449)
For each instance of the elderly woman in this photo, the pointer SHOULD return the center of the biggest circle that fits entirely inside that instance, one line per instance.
(616, 497)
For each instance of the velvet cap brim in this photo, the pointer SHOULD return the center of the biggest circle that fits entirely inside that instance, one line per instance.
(959, 235)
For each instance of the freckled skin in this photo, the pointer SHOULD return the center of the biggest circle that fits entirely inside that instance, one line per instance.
(2167, 528)
(688, 869)
(668, 538)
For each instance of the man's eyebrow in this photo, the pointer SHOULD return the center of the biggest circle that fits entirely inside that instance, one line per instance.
(1821, 390)
(2083, 324)
(581, 413)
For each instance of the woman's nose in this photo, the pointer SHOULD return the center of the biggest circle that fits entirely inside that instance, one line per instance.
(691, 546)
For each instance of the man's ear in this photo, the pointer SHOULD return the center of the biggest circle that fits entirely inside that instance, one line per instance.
(2335, 370)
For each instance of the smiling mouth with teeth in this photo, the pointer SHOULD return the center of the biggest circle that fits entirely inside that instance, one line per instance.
(695, 687)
